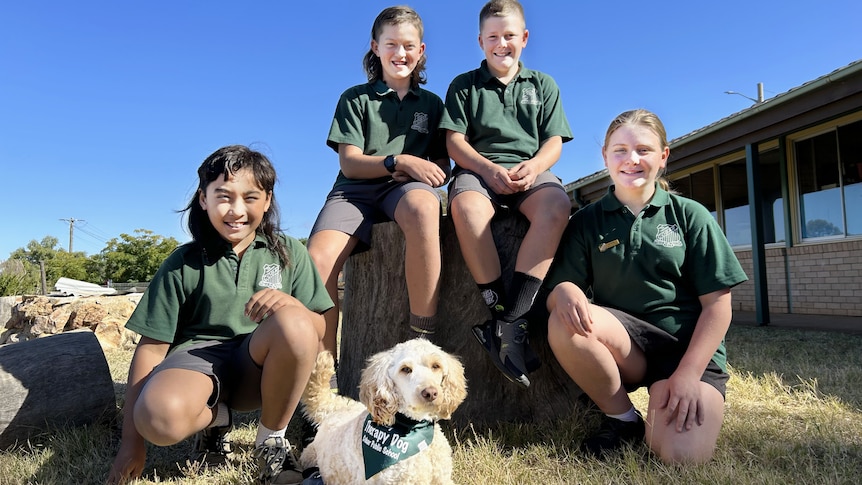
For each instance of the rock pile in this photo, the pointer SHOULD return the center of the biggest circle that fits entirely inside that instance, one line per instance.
(36, 316)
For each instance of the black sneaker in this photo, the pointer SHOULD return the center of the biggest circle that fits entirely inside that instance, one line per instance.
(277, 462)
(210, 445)
(486, 335)
(613, 434)
(516, 356)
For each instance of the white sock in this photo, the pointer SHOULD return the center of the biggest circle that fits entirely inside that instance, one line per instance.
(629, 416)
(263, 433)
(221, 416)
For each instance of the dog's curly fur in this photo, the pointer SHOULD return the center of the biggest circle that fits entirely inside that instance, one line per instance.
(415, 378)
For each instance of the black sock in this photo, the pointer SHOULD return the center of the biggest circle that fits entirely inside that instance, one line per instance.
(492, 295)
(524, 290)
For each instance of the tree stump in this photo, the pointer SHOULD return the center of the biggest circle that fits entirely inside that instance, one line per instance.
(52, 381)
(375, 317)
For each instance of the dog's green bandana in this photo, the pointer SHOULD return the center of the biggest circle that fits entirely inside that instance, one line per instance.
(384, 446)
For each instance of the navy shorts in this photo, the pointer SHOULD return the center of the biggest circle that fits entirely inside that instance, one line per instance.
(663, 353)
(465, 180)
(354, 209)
(235, 375)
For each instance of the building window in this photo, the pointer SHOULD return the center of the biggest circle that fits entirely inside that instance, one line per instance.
(698, 186)
(733, 181)
(849, 146)
(773, 202)
(830, 182)
(733, 193)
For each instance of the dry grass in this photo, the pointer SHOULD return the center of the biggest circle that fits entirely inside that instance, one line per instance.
(794, 415)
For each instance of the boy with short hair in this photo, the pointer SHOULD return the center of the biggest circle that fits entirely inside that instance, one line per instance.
(505, 129)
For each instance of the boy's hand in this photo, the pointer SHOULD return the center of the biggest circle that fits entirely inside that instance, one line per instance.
(266, 302)
(497, 178)
(523, 176)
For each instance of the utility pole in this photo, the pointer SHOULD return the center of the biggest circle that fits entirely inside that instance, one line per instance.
(759, 94)
(71, 222)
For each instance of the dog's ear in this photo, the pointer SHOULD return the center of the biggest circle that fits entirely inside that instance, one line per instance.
(377, 390)
(454, 386)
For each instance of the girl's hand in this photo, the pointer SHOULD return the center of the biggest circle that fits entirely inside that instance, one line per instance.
(683, 401)
(414, 168)
(266, 302)
(129, 463)
(568, 303)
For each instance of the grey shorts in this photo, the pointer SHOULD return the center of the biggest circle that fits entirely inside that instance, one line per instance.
(465, 180)
(354, 209)
(663, 354)
(235, 376)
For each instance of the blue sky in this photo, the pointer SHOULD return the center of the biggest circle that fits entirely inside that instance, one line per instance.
(108, 107)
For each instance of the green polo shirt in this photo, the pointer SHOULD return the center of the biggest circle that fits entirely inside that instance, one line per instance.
(371, 117)
(200, 294)
(651, 265)
(505, 123)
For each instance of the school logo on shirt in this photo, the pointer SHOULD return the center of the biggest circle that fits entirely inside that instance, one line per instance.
(271, 277)
(668, 236)
(420, 123)
(529, 96)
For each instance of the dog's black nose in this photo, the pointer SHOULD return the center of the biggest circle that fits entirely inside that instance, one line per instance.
(429, 393)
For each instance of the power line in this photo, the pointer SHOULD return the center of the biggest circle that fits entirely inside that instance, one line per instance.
(94, 231)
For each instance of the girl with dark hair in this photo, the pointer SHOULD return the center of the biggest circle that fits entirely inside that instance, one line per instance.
(231, 320)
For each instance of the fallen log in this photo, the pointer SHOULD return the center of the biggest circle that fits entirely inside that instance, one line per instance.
(51, 382)
(376, 311)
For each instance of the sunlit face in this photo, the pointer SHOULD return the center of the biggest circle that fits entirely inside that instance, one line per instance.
(634, 157)
(399, 48)
(236, 207)
(502, 39)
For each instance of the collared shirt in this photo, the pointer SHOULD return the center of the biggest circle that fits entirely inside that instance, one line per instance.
(373, 118)
(653, 265)
(505, 123)
(199, 294)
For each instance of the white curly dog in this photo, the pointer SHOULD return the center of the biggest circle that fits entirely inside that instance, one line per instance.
(392, 435)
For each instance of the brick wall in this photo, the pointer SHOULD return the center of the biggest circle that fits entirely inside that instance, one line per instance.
(824, 279)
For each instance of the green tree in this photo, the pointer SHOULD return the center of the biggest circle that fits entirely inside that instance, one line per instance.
(18, 277)
(58, 262)
(134, 258)
(37, 251)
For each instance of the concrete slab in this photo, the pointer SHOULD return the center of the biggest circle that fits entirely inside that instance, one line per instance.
(831, 323)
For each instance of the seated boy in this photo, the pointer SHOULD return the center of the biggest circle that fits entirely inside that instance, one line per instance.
(505, 129)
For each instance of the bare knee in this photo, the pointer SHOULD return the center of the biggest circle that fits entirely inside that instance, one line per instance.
(328, 249)
(324, 258)
(469, 207)
(678, 454)
(562, 338)
(419, 216)
(692, 446)
(160, 419)
(290, 329)
(553, 214)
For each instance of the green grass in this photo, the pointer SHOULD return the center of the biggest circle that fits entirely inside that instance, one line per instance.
(794, 415)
